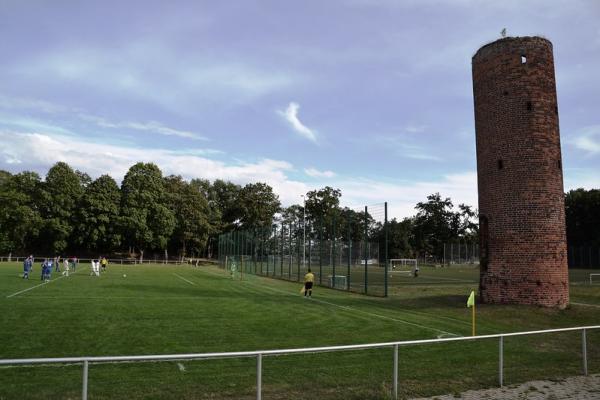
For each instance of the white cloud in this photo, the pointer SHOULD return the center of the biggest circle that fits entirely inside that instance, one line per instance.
(150, 126)
(415, 128)
(291, 116)
(586, 178)
(40, 151)
(588, 140)
(15, 103)
(315, 173)
(403, 196)
(154, 73)
(20, 103)
(404, 148)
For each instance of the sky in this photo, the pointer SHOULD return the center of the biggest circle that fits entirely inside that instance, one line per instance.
(373, 97)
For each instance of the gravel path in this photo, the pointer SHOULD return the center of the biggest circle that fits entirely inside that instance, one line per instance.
(577, 388)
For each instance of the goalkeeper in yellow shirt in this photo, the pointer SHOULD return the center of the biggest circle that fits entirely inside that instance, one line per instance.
(309, 279)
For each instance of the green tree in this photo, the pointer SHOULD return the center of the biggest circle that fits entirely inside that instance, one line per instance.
(19, 218)
(227, 198)
(98, 220)
(323, 208)
(62, 191)
(214, 216)
(191, 210)
(434, 224)
(582, 212)
(147, 221)
(258, 205)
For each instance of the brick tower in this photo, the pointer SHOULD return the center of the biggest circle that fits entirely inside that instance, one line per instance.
(519, 174)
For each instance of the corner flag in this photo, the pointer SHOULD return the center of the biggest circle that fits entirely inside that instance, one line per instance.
(471, 300)
(471, 303)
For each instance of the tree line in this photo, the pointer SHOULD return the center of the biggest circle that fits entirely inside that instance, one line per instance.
(69, 212)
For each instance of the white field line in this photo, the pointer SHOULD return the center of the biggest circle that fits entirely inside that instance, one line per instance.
(182, 278)
(404, 310)
(586, 305)
(354, 310)
(33, 287)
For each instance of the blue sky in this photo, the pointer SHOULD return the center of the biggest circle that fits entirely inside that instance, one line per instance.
(371, 96)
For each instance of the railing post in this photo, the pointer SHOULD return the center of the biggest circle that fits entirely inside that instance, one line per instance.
(84, 389)
(584, 352)
(501, 362)
(259, 377)
(395, 381)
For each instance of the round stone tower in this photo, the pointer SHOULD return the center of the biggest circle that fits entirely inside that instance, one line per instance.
(523, 247)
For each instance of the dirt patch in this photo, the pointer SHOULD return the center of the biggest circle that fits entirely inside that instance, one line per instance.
(577, 387)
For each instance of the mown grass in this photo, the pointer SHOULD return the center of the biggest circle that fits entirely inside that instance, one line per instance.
(155, 310)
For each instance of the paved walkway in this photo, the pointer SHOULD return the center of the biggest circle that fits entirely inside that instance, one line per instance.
(574, 388)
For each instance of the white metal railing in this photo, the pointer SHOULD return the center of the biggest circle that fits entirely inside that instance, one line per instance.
(592, 275)
(86, 361)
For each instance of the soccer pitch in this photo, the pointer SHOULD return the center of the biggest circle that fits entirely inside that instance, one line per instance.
(159, 309)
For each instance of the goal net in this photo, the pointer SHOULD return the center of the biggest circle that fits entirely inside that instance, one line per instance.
(338, 282)
(404, 265)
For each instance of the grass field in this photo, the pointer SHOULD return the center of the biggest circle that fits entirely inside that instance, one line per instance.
(160, 309)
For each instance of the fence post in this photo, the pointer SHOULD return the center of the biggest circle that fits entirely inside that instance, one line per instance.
(259, 377)
(501, 362)
(320, 251)
(584, 352)
(84, 389)
(395, 382)
(366, 254)
(386, 228)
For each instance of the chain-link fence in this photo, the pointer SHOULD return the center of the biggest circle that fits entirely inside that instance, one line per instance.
(345, 250)
(584, 256)
(461, 252)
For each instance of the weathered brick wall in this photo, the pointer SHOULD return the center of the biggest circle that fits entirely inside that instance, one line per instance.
(521, 203)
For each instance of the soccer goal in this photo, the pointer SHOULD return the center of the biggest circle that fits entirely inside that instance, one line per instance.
(404, 265)
(591, 278)
(338, 282)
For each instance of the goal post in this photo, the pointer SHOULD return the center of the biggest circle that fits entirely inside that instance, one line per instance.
(403, 263)
(592, 276)
(408, 266)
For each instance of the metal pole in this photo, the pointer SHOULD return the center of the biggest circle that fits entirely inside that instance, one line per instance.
(349, 258)
(501, 362)
(386, 228)
(84, 389)
(333, 252)
(395, 382)
(366, 241)
(584, 352)
(304, 232)
(321, 252)
(259, 377)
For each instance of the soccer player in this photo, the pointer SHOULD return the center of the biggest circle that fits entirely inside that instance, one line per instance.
(66, 267)
(49, 270)
(27, 267)
(104, 263)
(309, 279)
(57, 264)
(43, 265)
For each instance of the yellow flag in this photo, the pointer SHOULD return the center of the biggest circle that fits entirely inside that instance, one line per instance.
(471, 300)
(303, 289)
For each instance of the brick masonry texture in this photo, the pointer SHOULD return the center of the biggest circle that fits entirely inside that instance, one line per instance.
(519, 174)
